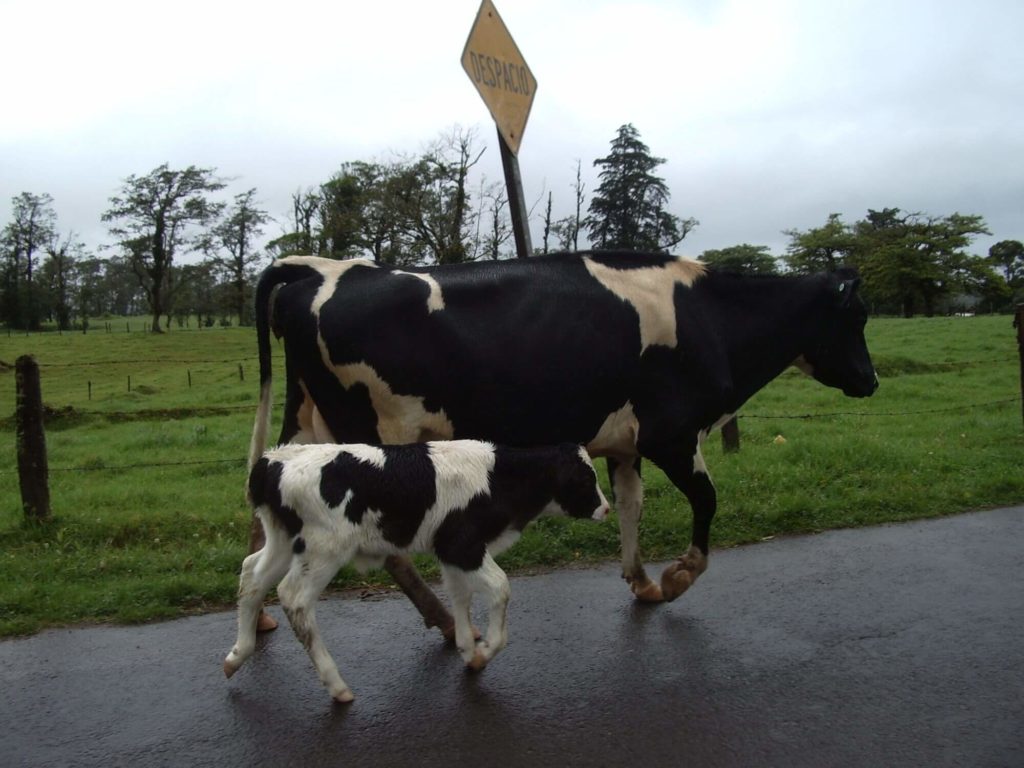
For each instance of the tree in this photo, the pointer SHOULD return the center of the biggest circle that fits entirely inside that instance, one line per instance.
(749, 259)
(494, 202)
(154, 218)
(1008, 255)
(235, 234)
(60, 271)
(628, 209)
(435, 198)
(299, 240)
(567, 229)
(912, 260)
(30, 230)
(822, 249)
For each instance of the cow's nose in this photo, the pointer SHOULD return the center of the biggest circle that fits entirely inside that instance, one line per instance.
(601, 512)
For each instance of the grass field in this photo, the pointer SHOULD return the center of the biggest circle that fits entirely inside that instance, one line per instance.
(147, 483)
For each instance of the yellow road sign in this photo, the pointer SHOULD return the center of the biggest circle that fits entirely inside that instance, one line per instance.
(497, 68)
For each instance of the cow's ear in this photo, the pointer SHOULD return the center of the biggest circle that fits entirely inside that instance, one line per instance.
(845, 289)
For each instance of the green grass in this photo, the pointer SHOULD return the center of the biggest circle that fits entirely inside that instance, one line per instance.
(149, 519)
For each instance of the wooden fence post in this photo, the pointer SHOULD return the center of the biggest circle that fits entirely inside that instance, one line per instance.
(33, 468)
(731, 435)
(1018, 323)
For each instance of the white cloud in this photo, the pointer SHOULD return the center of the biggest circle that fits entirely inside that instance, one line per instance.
(770, 114)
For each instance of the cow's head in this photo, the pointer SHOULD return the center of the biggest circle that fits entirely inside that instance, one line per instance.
(838, 357)
(578, 493)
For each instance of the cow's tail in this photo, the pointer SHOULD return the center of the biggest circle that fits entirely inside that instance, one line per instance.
(281, 272)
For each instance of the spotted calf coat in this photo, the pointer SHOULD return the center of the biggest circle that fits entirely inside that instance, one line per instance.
(327, 505)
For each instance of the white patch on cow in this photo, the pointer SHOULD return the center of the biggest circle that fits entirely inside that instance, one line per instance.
(321, 432)
(331, 269)
(462, 471)
(617, 435)
(368, 454)
(300, 477)
(503, 542)
(400, 418)
(435, 301)
(699, 465)
(649, 290)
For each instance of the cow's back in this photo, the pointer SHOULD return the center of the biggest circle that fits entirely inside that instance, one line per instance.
(521, 353)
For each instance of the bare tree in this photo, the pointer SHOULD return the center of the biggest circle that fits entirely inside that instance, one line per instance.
(438, 206)
(234, 236)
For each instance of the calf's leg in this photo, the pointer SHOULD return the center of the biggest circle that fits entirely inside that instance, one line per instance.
(490, 580)
(260, 572)
(298, 594)
(629, 500)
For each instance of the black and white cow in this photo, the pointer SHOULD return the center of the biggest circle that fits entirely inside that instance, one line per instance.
(323, 506)
(630, 354)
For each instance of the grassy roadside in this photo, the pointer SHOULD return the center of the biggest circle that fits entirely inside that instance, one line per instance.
(150, 521)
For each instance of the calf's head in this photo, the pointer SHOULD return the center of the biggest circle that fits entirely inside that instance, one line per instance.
(839, 356)
(577, 492)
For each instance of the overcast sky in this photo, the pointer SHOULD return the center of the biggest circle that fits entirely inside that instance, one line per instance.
(771, 114)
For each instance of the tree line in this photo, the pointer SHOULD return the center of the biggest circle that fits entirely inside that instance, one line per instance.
(430, 208)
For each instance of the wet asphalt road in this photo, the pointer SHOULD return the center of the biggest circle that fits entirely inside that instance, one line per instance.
(889, 646)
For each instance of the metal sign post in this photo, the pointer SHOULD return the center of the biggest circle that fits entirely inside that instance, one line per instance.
(494, 64)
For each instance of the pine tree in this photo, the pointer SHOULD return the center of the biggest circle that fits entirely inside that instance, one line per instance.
(628, 209)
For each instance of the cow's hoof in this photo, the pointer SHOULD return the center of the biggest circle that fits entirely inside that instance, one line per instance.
(679, 576)
(345, 697)
(646, 591)
(265, 622)
(229, 669)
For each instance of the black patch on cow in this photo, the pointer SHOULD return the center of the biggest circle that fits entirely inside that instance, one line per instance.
(402, 491)
(528, 353)
(522, 484)
(299, 546)
(265, 491)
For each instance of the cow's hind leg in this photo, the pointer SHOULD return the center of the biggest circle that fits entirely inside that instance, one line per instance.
(298, 594)
(490, 580)
(260, 572)
(629, 500)
(690, 475)
(422, 596)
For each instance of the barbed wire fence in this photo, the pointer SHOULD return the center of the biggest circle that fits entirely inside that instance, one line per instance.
(33, 464)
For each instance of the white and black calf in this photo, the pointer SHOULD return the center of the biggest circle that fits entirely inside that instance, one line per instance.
(325, 505)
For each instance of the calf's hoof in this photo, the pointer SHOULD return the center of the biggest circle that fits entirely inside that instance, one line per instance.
(230, 668)
(265, 622)
(344, 697)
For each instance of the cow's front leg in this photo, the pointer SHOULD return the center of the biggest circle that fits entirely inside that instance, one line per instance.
(629, 499)
(427, 603)
(690, 475)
